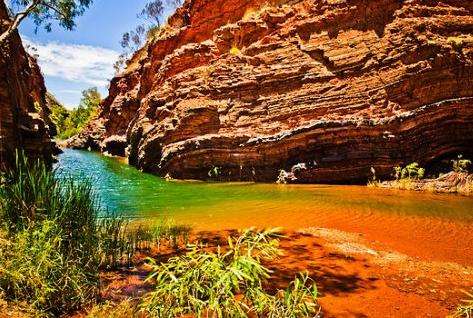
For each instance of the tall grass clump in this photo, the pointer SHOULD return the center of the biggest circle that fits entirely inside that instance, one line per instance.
(119, 239)
(49, 254)
(54, 239)
(227, 283)
(34, 269)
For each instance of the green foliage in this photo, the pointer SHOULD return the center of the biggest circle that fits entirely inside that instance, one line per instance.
(31, 193)
(70, 123)
(298, 300)
(214, 172)
(42, 12)
(34, 267)
(59, 113)
(52, 241)
(465, 310)
(124, 309)
(456, 42)
(411, 171)
(460, 164)
(119, 239)
(227, 283)
(49, 255)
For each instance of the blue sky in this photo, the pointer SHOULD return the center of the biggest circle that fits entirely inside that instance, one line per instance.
(72, 61)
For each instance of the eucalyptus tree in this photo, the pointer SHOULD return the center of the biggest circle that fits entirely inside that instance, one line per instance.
(151, 18)
(43, 14)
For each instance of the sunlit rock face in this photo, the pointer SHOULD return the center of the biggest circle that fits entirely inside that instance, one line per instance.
(327, 90)
(24, 115)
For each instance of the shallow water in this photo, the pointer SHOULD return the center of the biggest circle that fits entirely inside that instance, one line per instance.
(420, 224)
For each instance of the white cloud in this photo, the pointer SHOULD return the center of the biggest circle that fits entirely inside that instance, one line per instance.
(77, 63)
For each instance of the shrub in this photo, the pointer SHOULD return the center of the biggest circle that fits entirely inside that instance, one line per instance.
(71, 122)
(411, 171)
(49, 254)
(33, 268)
(31, 194)
(226, 283)
(460, 164)
(53, 242)
(456, 42)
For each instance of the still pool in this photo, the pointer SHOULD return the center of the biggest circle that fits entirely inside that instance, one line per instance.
(420, 224)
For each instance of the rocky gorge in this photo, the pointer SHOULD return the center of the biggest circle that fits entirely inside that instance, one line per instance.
(329, 91)
(24, 113)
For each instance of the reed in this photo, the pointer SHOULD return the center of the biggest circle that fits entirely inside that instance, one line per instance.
(120, 239)
(34, 269)
(48, 252)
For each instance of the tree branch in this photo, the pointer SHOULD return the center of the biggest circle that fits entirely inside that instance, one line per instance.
(54, 9)
(15, 22)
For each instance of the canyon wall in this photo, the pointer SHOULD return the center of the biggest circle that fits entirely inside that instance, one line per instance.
(24, 115)
(330, 90)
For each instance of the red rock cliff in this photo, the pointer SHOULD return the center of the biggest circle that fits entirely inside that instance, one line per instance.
(327, 88)
(24, 115)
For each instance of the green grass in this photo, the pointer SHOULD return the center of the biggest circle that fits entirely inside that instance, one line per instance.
(227, 283)
(49, 255)
(34, 268)
(53, 245)
(53, 242)
(119, 239)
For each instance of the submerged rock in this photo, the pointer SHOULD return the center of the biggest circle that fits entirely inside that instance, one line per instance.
(258, 87)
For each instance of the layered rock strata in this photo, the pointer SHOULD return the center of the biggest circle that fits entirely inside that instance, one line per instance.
(24, 115)
(328, 89)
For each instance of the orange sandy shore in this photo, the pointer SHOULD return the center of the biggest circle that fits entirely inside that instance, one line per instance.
(354, 276)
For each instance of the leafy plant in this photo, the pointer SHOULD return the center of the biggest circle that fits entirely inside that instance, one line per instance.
(34, 268)
(460, 164)
(411, 171)
(53, 242)
(465, 310)
(123, 309)
(51, 259)
(298, 300)
(71, 122)
(214, 172)
(226, 283)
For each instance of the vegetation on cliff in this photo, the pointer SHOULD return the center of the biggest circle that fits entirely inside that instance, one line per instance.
(71, 122)
(151, 19)
(457, 179)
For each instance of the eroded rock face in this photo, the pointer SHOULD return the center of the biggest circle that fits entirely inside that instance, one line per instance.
(24, 115)
(337, 87)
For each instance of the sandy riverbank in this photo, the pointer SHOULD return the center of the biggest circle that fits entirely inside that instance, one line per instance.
(355, 278)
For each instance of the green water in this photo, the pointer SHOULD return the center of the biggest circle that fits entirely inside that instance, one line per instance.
(122, 188)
